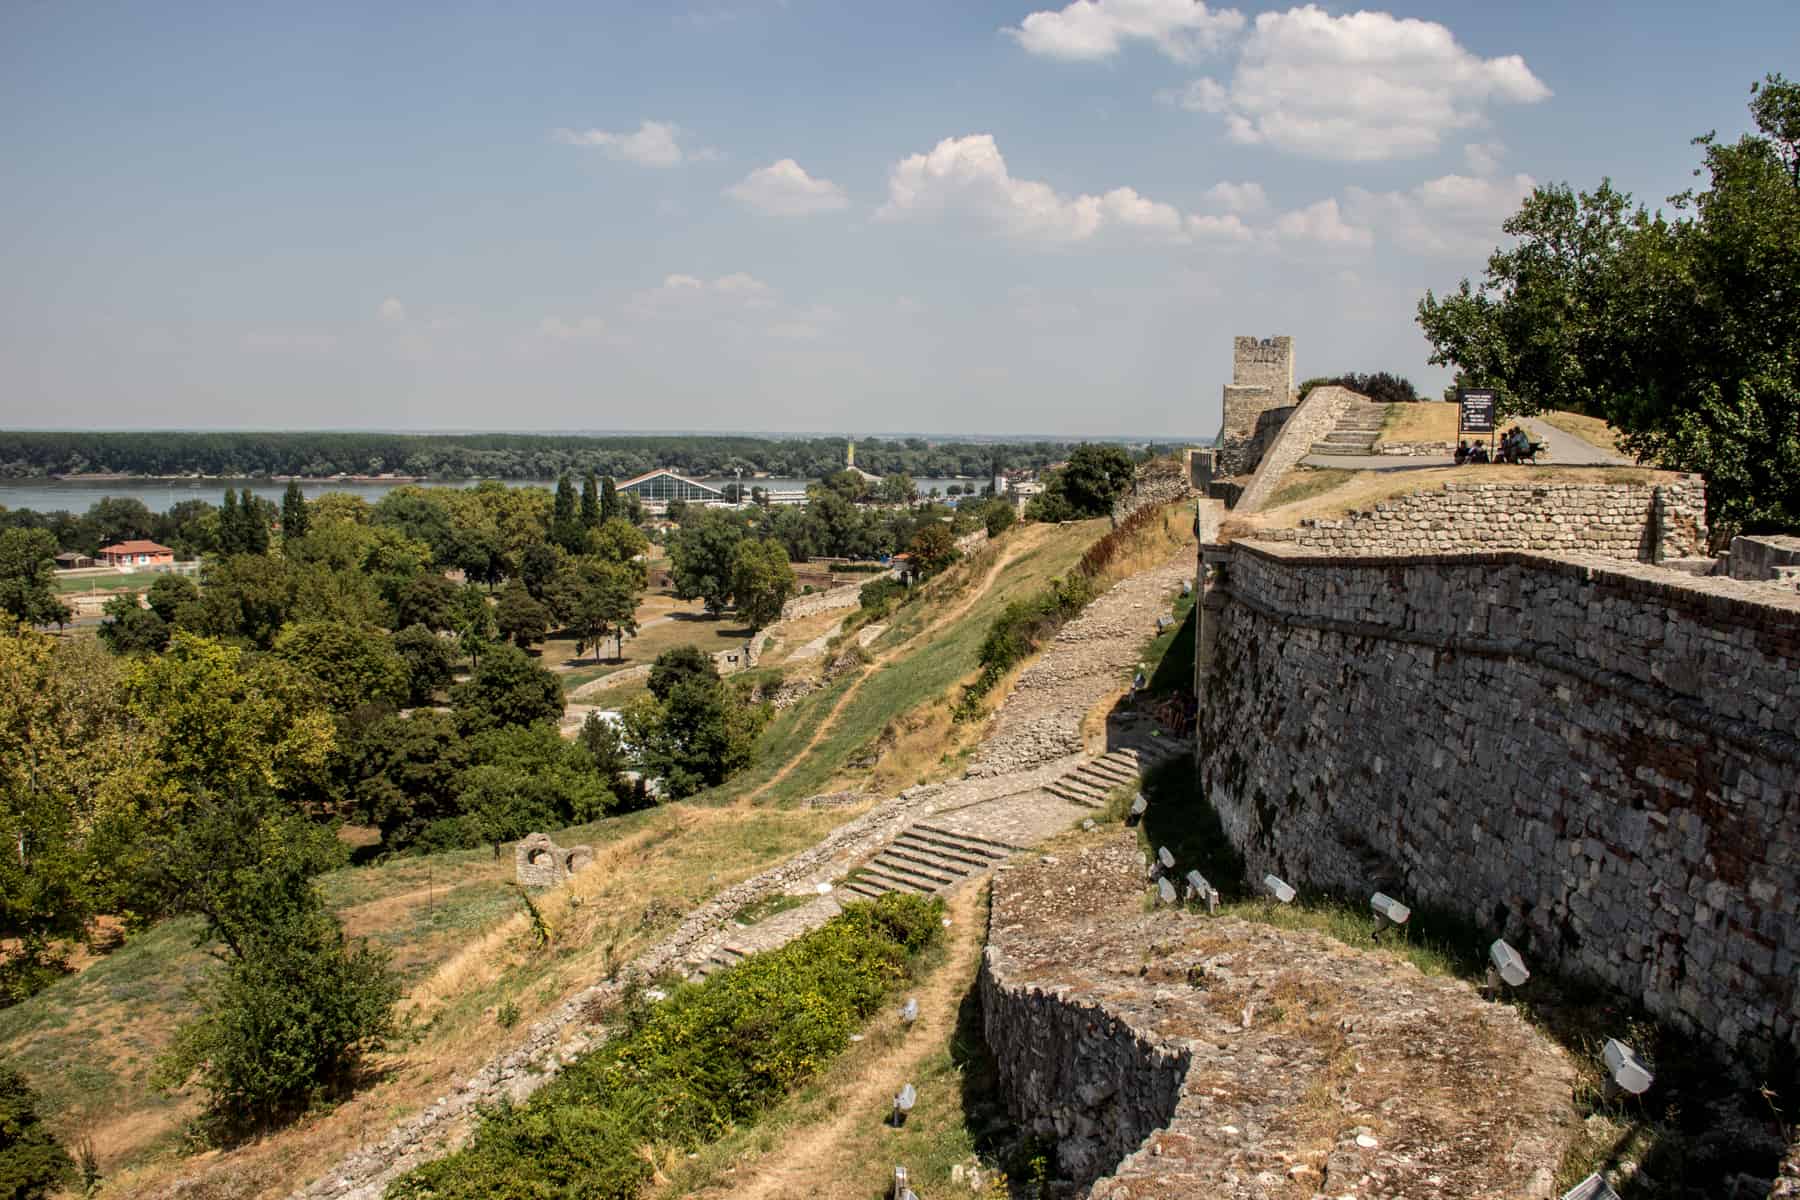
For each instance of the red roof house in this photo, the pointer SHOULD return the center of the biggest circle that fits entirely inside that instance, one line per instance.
(138, 553)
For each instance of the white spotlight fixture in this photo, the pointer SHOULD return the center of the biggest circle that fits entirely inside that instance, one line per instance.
(1388, 911)
(1625, 1068)
(1165, 858)
(1165, 891)
(1505, 965)
(909, 1012)
(901, 1191)
(903, 1103)
(1200, 889)
(1278, 889)
(1163, 623)
(1138, 806)
(1591, 1188)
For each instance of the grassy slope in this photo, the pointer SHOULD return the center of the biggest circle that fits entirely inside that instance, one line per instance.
(454, 926)
(1424, 421)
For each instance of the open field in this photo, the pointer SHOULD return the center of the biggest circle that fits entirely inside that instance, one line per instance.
(1422, 421)
(109, 581)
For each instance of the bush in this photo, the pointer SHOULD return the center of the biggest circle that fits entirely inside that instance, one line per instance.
(1381, 387)
(998, 517)
(680, 1073)
(880, 595)
(677, 665)
(32, 1163)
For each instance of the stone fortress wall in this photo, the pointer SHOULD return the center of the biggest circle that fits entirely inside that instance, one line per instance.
(1599, 759)
(1259, 398)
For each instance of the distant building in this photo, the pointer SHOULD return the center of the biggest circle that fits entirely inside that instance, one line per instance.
(68, 560)
(850, 465)
(661, 486)
(1024, 492)
(136, 554)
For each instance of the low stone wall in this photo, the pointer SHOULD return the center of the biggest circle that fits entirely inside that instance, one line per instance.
(848, 596)
(1598, 760)
(1417, 449)
(1316, 416)
(1159, 481)
(1770, 557)
(1642, 521)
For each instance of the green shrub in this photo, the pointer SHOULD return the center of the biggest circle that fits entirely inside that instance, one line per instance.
(32, 1164)
(680, 1073)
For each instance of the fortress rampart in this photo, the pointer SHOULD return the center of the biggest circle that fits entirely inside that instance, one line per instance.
(1598, 759)
(1258, 399)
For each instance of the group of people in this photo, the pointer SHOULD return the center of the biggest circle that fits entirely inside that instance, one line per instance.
(1515, 447)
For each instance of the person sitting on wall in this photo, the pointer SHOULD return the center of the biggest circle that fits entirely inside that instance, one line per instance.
(1462, 452)
(1478, 453)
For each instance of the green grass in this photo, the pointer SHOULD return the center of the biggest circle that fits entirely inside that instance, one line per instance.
(1169, 656)
(761, 910)
(1303, 483)
(110, 582)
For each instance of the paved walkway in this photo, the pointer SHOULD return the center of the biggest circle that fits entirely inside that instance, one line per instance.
(1567, 450)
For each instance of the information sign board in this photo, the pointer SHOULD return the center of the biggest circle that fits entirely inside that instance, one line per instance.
(1475, 410)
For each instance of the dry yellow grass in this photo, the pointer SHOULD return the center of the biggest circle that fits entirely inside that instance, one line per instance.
(1592, 430)
(1424, 421)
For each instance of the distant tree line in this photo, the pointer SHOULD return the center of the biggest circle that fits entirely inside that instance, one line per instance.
(1381, 386)
(492, 455)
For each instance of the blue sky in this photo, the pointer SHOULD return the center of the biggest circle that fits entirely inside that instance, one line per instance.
(749, 214)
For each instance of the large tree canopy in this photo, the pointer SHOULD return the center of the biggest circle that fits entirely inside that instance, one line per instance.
(1683, 332)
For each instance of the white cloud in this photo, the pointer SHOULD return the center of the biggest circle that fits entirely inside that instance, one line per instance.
(655, 144)
(1484, 157)
(1361, 87)
(581, 329)
(391, 312)
(1237, 197)
(1452, 216)
(968, 175)
(1228, 228)
(1323, 223)
(679, 295)
(784, 189)
(1095, 29)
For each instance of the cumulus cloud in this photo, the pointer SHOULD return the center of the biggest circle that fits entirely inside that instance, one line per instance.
(580, 329)
(1228, 228)
(1365, 86)
(1087, 30)
(1322, 223)
(1484, 157)
(968, 175)
(784, 189)
(655, 144)
(391, 312)
(1237, 197)
(679, 295)
(1451, 216)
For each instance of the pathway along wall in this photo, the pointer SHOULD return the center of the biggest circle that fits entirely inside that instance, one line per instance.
(1598, 759)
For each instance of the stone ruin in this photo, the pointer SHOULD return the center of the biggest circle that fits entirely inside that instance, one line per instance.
(540, 862)
(1258, 399)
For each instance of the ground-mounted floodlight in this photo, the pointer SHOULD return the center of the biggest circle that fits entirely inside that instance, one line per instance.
(901, 1190)
(1626, 1070)
(1591, 1188)
(909, 1012)
(1139, 806)
(903, 1104)
(1163, 623)
(1505, 965)
(1200, 889)
(1278, 889)
(1165, 858)
(1165, 891)
(1388, 911)
(1187, 587)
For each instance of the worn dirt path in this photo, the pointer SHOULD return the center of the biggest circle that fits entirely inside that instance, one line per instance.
(803, 1163)
(1019, 546)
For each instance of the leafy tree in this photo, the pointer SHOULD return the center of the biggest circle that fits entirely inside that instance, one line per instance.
(1095, 479)
(565, 526)
(339, 508)
(604, 742)
(538, 567)
(293, 513)
(997, 517)
(761, 581)
(129, 628)
(521, 617)
(933, 547)
(407, 774)
(118, 519)
(298, 1008)
(354, 666)
(167, 593)
(898, 489)
(678, 664)
(27, 565)
(429, 600)
(430, 665)
(472, 620)
(1381, 387)
(507, 688)
(244, 597)
(693, 739)
(701, 555)
(609, 500)
(597, 600)
(525, 779)
(619, 541)
(1680, 332)
(33, 1163)
(590, 503)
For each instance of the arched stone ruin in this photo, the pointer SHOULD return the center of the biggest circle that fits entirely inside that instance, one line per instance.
(539, 862)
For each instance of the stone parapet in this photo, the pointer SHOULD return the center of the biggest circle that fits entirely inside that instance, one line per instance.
(1313, 419)
(1599, 760)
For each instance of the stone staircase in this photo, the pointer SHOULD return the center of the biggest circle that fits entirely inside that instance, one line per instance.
(928, 858)
(1093, 781)
(1355, 431)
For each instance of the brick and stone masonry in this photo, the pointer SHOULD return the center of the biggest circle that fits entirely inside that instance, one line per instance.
(1257, 400)
(1599, 759)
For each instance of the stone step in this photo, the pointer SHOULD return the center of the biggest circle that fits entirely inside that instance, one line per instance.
(992, 847)
(913, 863)
(991, 852)
(870, 890)
(1118, 769)
(1340, 451)
(1073, 787)
(894, 881)
(963, 861)
(1085, 801)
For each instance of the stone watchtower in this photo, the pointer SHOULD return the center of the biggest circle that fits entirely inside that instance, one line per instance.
(1257, 400)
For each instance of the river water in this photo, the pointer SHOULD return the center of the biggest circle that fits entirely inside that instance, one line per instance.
(161, 495)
